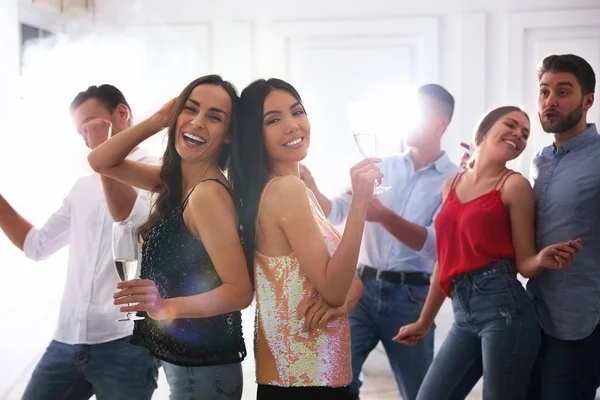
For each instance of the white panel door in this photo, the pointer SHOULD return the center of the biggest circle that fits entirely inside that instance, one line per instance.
(334, 64)
(535, 35)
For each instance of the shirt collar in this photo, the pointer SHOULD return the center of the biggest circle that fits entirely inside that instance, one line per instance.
(441, 164)
(574, 142)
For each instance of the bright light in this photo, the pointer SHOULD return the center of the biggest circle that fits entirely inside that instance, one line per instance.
(389, 112)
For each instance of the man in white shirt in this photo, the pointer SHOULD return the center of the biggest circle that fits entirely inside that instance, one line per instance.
(90, 353)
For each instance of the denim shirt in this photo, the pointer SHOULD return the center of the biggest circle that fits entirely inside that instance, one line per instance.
(566, 184)
(415, 196)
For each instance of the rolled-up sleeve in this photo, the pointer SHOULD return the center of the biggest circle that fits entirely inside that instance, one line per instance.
(429, 249)
(141, 208)
(339, 208)
(40, 243)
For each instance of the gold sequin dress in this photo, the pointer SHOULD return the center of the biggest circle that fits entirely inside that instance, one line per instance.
(285, 354)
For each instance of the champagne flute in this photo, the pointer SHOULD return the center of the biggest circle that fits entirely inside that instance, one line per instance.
(367, 145)
(125, 254)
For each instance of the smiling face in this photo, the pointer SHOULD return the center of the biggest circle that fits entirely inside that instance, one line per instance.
(507, 137)
(286, 127)
(203, 126)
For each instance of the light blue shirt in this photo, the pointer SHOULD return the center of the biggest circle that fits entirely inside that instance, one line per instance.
(415, 196)
(567, 196)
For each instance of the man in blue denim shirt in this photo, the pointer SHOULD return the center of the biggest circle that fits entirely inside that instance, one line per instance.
(398, 249)
(566, 178)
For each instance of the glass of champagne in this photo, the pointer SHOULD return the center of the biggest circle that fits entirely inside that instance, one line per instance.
(367, 145)
(125, 253)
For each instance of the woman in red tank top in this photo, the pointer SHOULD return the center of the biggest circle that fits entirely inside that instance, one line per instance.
(485, 235)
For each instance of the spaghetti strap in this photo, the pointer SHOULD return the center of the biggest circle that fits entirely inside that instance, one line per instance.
(455, 180)
(185, 201)
(220, 183)
(503, 178)
(260, 201)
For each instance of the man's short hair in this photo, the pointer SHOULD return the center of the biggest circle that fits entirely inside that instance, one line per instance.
(573, 64)
(108, 95)
(444, 98)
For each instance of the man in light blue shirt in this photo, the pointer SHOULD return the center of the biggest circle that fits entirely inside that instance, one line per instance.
(398, 249)
(566, 177)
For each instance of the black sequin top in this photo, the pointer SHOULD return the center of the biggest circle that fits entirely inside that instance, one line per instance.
(180, 266)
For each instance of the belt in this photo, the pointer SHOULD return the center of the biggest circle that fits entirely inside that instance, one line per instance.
(401, 278)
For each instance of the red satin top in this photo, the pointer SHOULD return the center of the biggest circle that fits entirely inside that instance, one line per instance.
(472, 235)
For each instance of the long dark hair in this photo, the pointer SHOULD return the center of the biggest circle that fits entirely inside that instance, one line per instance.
(170, 191)
(249, 160)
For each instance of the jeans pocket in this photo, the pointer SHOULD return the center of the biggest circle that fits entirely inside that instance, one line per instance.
(228, 380)
(417, 293)
(490, 284)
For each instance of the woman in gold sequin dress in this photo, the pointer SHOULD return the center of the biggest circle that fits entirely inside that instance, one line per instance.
(305, 278)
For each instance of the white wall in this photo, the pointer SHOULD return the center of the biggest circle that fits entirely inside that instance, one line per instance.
(36, 171)
(17, 305)
(485, 52)
(9, 62)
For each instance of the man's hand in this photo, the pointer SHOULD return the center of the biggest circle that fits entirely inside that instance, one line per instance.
(96, 132)
(376, 211)
(307, 178)
(464, 158)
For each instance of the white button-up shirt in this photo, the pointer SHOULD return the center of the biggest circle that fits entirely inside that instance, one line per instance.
(87, 313)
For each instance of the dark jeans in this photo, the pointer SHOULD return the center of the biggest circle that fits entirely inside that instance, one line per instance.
(566, 369)
(112, 371)
(268, 392)
(495, 334)
(382, 310)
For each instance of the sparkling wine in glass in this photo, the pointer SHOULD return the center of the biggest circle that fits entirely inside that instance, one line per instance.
(367, 145)
(125, 255)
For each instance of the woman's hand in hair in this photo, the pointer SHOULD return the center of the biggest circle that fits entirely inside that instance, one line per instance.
(163, 116)
(364, 175)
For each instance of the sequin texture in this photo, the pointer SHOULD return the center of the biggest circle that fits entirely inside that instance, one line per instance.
(285, 355)
(180, 266)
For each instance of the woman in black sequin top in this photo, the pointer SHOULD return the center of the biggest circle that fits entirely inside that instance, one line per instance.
(194, 275)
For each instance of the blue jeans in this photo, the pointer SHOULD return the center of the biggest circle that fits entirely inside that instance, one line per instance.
(112, 371)
(495, 334)
(382, 310)
(218, 382)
